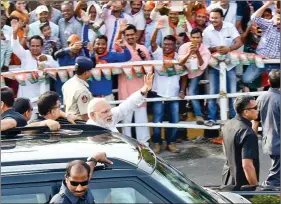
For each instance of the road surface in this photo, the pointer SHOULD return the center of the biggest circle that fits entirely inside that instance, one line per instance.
(203, 162)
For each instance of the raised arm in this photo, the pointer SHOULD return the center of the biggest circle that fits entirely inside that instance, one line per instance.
(134, 101)
(261, 10)
(15, 44)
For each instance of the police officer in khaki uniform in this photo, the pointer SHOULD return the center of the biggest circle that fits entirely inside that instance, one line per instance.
(76, 94)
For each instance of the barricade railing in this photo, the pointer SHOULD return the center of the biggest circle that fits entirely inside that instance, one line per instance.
(222, 96)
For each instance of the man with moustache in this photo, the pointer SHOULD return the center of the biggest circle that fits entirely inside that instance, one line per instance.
(127, 87)
(101, 55)
(221, 37)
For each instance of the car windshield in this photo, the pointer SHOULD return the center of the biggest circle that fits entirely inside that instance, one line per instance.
(176, 182)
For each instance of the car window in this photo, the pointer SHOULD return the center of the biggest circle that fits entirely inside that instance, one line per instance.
(24, 198)
(178, 184)
(119, 195)
(123, 191)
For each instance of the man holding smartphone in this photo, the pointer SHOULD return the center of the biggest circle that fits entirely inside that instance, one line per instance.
(221, 37)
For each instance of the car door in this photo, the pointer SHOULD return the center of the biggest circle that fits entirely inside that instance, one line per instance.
(124, 190)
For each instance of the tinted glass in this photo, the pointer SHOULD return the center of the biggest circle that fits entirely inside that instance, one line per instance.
(178, 184)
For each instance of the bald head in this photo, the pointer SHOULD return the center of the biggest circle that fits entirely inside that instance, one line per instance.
(77, 167)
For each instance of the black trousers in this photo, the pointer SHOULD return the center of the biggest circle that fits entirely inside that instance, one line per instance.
(273, 178)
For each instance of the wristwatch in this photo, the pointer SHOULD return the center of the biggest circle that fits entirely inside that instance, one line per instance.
(92, 159)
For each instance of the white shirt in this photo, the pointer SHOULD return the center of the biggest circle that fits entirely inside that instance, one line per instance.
(34, 29)
(163, 85)
(224, 37)
(120, 112)
(28, 62)
(231, 14)
(112, 25)
(167, 30)
(138, 18)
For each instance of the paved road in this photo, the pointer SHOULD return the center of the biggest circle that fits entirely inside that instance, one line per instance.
(203, 163)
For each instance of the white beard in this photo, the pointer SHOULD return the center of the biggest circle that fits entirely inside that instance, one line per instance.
(103, 123)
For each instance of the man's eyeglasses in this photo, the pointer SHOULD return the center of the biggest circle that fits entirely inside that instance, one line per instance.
(254, 108)
(75, 183)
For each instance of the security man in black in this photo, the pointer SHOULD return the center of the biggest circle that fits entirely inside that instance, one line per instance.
(74, 188)
(241, 145)
(9, 117)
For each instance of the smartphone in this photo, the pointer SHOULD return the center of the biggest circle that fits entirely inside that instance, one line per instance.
(85, 44)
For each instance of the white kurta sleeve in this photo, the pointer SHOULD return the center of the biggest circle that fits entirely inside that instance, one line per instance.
(17, 49)
(131, 103)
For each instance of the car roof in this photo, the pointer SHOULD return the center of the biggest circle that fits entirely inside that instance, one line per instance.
(31, 149)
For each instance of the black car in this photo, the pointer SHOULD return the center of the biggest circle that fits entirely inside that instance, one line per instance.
(33, 167)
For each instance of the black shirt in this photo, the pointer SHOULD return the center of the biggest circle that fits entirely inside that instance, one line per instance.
(240, 142)
(66, 197)
(11, 113)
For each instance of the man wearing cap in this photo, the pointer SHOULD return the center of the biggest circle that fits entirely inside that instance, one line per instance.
(42, 13)
(54, 14)
(171, 23)
(150, 25)
(201, 18)
(67, 57)
(76, 94)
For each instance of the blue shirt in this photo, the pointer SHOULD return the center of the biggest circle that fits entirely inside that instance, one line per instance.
(64, 59)
(104, 87)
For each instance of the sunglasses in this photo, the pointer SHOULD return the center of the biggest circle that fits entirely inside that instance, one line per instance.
(75, 183)
(254, 108)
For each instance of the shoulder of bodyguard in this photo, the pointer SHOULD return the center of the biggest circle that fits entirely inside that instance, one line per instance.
(60, 198)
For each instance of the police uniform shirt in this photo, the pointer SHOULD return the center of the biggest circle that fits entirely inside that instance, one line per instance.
(66, 197)
(76, 96)
(240, 142)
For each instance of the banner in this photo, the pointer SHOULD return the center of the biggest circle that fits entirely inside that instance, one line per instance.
(236, 58)
(164, 68)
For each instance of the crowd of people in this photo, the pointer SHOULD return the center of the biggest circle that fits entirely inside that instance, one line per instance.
(86, 33)
(59, 33)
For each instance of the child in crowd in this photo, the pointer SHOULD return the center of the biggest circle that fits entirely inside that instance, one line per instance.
(51, 43)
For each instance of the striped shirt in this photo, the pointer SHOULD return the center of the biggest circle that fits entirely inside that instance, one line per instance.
(269, 45)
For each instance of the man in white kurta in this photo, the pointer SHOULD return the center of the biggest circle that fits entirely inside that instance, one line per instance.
(101, 113)
(30, 59)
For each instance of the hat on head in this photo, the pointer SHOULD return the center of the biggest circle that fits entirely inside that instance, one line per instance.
(150, 4)
(83, 63)
(202, 11)
(73, 38)
(41, 9)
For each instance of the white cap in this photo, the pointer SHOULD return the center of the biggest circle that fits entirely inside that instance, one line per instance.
(177, 6)
(41, 9)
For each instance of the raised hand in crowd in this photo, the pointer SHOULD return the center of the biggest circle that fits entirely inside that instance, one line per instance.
(15, 26)
(121, 43)
(76, 46)
(85, 17)
(159, 5)
(122, 26)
